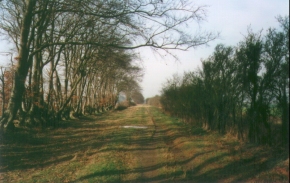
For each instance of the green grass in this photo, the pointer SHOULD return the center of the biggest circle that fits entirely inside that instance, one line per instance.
(106, 169)
(98, 150)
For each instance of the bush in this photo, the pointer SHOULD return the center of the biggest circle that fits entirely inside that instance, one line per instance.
(122, 105)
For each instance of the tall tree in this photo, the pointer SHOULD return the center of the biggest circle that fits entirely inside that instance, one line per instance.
(21, 70)
(276, 77)
(50, 24)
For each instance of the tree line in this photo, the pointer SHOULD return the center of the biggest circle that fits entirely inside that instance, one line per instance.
(76, 56)
(243, 89)
(154, 101)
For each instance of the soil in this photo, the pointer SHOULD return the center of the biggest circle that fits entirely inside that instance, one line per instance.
(99, 149)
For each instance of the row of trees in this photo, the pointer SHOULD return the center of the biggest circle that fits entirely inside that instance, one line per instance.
(243, 90)
(137, 97)
(154, 101)
(77, 55)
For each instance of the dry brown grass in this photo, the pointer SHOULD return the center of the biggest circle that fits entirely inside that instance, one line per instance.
(96, 149)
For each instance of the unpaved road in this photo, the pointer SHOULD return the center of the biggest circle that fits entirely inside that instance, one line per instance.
(100, 149)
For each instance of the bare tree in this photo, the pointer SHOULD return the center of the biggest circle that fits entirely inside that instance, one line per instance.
(38, 27)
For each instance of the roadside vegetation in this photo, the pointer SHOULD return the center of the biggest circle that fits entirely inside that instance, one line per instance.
(242, 90)
(71, 58)
(154, 101)
(228, 122)
(99, 149)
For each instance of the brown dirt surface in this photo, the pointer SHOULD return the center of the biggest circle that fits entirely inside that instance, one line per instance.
(99, 149)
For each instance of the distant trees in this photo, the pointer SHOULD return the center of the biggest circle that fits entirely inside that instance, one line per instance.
(243, 90)
(138, 98)
(154, 101)
(75, 56)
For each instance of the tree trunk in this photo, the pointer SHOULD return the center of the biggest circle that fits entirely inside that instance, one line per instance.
(21, 69)
(285, 120)
(3, 91)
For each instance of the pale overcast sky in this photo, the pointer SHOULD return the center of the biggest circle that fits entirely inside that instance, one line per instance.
(229, 17)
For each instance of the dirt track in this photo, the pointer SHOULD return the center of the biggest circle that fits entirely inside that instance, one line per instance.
(99, 149)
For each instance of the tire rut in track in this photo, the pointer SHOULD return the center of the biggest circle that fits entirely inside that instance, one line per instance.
(153, 158)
